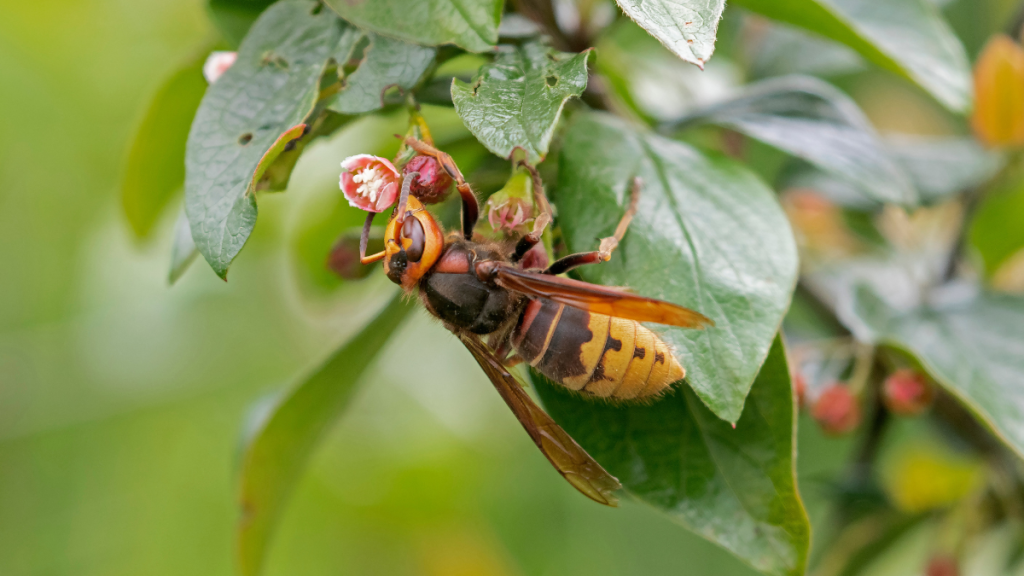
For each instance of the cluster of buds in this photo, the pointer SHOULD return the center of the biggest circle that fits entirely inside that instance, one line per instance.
(836, 406)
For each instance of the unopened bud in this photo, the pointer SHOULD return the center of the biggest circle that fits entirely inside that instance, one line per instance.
(433, 183)
(942, 565)
(343, 259)
(836, 410)
(536, 257)
(907, 392)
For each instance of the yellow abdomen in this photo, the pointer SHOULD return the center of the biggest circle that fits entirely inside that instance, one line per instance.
(595, 354)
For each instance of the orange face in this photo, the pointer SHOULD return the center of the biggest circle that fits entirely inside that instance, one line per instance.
(412, 248)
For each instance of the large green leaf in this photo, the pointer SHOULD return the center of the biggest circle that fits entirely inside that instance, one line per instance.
(733, 486)
(708, 235)
(470, 24)
(973, 347)
(387, 63)
(233, 18)
(248, 117)
(686, 27)
(515, 101)
(278, 452)
(812, 120)
(155, 172)
(908, 37)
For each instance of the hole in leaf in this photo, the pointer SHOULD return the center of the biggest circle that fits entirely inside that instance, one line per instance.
(355, 58)
(552, 80)
(392, 95)
(245, 138)
(317, 9)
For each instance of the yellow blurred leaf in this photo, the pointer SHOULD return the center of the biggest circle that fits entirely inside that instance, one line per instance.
(924, 475)
(998, 118)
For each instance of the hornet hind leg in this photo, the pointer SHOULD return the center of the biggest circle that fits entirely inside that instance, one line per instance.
(607, 246)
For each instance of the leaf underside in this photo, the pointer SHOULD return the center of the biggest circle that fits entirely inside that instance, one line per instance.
(908, 37)
(686, 27)
(812, 120)
(270, 90)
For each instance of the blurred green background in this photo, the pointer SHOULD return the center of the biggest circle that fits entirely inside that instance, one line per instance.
(123, 400)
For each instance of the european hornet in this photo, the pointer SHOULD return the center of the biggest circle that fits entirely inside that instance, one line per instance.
(583, 336)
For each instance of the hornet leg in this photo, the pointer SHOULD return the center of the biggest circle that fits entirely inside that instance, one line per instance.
(541, 222)
(607, 246)
(470, 206)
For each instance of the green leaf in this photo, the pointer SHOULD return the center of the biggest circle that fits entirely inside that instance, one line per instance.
(734, 486)
(275, 457)
(908, 37)
(469, 24)
(233, 18)
(183, 249)
(516, 100)
(248, 117)
(707, 235)
(154, 171)
(387, 64)
(810, 119)
(686, 27)
(996, 231)
(973, 347)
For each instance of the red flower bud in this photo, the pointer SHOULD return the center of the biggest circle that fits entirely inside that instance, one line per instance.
(433, 184)
(537, 257)
(836, 410)
(942, 565)
(907, 392)
(343, 259)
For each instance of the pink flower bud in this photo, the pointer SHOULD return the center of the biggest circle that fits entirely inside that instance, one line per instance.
(433, 184)
(836, 410)
(369, 183)
(509, 215)
(217, 63)
(906, 392)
